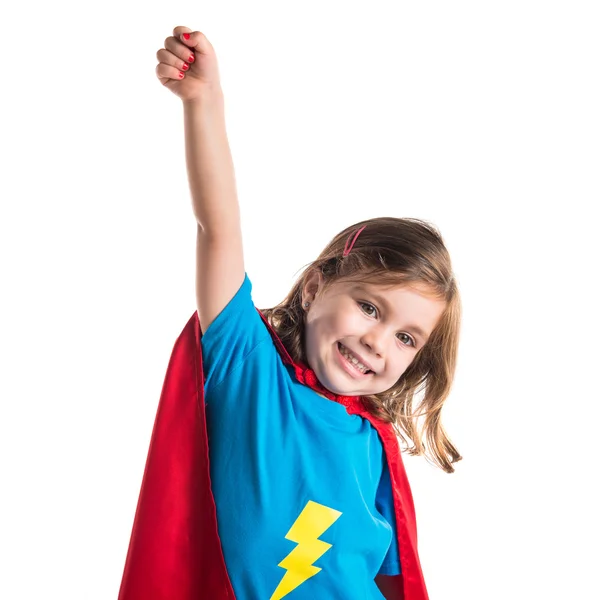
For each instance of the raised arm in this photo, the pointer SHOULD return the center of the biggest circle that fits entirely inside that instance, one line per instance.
(188, 67)
(219, 250)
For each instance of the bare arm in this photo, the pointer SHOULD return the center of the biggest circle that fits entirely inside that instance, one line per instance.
(188, 67)
(219, 251)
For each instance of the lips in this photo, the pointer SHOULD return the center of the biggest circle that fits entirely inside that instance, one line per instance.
(358, 357)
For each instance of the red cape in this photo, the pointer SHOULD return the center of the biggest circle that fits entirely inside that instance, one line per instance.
(174, 551)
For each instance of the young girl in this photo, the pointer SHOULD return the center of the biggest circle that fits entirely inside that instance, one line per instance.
(274, 469)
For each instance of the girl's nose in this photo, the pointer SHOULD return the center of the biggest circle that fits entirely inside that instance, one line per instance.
(374, 341)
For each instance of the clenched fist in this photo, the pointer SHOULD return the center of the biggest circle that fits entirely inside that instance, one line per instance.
(188, 67)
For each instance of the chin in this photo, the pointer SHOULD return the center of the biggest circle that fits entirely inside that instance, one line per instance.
(336, 387)
(342, 388)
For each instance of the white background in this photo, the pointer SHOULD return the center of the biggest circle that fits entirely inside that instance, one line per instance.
(480, 117)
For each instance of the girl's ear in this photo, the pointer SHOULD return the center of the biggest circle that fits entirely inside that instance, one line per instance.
(311, 286)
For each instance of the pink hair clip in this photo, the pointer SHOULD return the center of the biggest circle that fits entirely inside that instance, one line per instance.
(346, 248)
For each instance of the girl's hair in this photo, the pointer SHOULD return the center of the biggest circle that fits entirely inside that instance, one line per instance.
(393, 251)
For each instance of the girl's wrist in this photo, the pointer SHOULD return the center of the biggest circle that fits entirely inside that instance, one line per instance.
(212, 97)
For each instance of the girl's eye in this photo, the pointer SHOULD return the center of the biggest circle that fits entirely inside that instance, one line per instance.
(404, 337)
(371, 314)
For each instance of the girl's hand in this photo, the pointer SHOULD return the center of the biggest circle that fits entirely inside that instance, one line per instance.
(188, 67)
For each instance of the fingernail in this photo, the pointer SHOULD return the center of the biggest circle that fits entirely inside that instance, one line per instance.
(192, 58)
(186, 36)
(185, 66)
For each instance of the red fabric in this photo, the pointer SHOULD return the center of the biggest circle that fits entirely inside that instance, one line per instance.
(174, 551)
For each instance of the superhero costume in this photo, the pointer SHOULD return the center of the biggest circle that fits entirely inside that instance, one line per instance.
(175, 551)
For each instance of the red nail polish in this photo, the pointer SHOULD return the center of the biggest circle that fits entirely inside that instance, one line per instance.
(186, 36)
(185, 66)
(180, 75)
(192, 58)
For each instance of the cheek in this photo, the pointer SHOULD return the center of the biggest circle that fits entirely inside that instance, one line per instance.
(347, 321)
(331, 326)
(309, 337)
(314, 333)
(323, 326)
(401, 362)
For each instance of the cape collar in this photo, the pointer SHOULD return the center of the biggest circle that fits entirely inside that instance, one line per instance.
(307, 376)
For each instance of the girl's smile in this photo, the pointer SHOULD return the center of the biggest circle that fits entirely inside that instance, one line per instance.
(353, 363)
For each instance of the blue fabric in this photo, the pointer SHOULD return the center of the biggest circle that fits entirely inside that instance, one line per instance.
(279, 449)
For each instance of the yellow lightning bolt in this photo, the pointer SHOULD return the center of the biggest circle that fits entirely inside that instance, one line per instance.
(313, 521)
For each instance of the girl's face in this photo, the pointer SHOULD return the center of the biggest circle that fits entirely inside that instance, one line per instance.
(361, 337)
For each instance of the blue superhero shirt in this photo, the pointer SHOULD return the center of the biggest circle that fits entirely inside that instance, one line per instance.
(302, 488)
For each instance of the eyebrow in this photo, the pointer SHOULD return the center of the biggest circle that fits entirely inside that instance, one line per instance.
(411, 328)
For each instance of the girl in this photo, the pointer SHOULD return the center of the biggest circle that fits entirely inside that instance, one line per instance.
(274, 469)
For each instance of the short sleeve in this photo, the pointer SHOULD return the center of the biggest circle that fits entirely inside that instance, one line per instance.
(236, 331)
(384, 502)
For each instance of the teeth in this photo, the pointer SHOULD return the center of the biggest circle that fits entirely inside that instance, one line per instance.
(353, 359)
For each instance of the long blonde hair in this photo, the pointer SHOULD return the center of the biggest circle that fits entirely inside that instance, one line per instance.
(405, 251)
